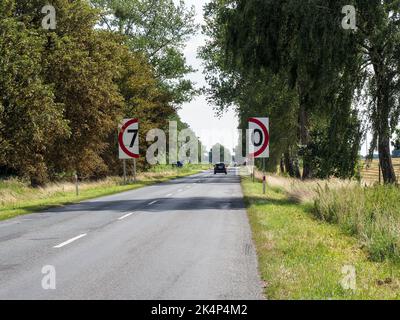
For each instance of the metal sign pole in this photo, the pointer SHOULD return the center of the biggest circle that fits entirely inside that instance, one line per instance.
(264, 178)
(76, 184)
(134, 170)
(124, 171)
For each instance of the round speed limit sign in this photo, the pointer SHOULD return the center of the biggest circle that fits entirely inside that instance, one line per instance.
(128, 139)
(259, 137)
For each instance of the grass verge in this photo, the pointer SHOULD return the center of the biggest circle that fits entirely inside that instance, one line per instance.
(301, 257)
(17, 198)
(370, 214)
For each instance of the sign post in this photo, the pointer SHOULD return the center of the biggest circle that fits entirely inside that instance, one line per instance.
(76, 184)
(259, 142)
(124, 166)
(134, 170)
(128, 142)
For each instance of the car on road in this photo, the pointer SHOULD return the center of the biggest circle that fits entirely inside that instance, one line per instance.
(220, 168)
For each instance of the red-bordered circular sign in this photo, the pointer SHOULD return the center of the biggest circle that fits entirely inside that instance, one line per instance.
(121, 138)
(265, 136)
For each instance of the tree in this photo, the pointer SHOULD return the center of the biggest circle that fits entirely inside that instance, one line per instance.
(158, 28)
(377, 39)
(396, 142)
(221, 151)
(82, 64)
(63, 92)
(299, 42)
(31, 120)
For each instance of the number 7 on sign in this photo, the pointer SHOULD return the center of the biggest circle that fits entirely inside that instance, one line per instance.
(135, 134)
(128, 144)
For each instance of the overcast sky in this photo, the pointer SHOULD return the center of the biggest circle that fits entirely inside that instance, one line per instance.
(198, 113)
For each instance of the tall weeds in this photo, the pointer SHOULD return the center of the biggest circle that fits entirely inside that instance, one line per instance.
(372, 214)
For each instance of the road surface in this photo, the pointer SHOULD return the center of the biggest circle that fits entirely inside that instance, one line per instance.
(184, 239)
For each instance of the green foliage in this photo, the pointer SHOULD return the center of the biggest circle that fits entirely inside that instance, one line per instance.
(31, 120)
(287, 60)
(159, 29)
(65, 91)
(377, 41)
(334, 148)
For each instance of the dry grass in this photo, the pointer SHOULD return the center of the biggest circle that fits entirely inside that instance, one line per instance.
(370, 170)
(370, 213)
(303, 191)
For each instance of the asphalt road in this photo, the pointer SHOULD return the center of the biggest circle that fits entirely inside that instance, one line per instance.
(185, 239)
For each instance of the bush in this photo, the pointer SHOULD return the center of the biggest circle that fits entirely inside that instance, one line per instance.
(372, 214)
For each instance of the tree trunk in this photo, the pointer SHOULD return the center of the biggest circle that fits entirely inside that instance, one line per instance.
(296, 167)
(292, 166)
(288, 164)
(385, 157)
(282, 165)
(304, 134)
(383, 126)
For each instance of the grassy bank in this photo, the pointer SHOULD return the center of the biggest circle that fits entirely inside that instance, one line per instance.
(17, 198)
(370, 214)
(301, 257)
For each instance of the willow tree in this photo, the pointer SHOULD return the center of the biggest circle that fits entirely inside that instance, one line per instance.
(378, 40)
(299, 42)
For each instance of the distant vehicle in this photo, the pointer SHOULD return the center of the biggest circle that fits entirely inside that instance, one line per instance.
(220, 168)
(179, 164)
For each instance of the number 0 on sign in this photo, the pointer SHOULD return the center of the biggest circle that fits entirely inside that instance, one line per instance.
(128, 139)
(259, 137)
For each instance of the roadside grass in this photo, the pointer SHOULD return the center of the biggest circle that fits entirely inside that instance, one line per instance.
(301, 257)
(18, 198)
(370, 214)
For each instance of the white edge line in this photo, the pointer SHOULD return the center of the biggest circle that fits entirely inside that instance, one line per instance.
(126, 216)
(70, 241)
(153, 202)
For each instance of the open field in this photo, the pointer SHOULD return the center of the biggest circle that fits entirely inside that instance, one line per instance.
(370, 172)
(17, 197)
(302, 257)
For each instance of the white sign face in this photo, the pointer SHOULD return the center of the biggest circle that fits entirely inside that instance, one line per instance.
(128, 139)
(259, 138)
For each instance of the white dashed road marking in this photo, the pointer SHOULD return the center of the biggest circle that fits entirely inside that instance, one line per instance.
(70, 241)
(126, 216)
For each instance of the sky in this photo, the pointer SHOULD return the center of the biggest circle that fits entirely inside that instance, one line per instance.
(199, 114)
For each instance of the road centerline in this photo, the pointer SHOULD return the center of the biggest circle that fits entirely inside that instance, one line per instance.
(70, 241)
(125, 216)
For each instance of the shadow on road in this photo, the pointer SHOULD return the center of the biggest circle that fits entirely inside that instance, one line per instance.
(162, 205)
